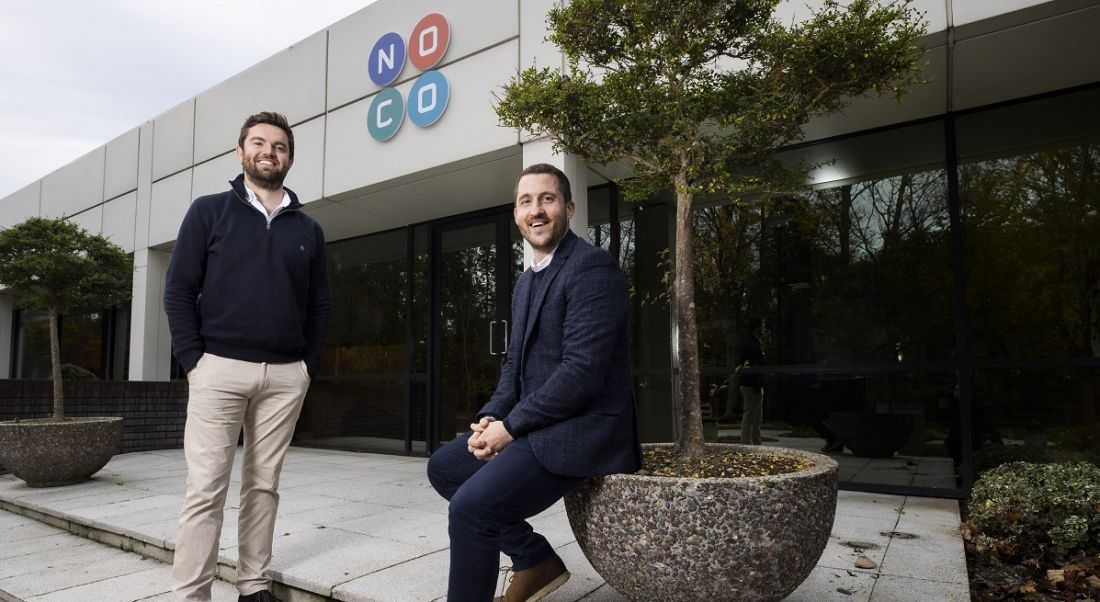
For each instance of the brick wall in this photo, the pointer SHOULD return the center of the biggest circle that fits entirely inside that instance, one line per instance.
(154, 412)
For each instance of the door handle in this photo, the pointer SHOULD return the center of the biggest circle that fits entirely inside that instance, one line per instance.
(492, 336)
(505, 352)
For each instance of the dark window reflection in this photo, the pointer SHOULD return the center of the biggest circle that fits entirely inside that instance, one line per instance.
(1033, 253)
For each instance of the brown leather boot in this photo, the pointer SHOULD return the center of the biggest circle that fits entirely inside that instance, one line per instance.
(536, 582)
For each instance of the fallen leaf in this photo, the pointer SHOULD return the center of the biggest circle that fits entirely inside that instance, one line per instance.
(1028, 587)
(1093, 582)
(1056, 576)
(846, 592)
(864, 562)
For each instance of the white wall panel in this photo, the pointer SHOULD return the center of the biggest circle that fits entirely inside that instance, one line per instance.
(291, 82)
(1042, 56)
(145, 185)
(214, 176)
(969, 11)
(534, 49)
(474, 26)
(75, 187)
(935, 11)
(468, 128)
(91, 220)
(20, 205)
(120, 174)
(119, 218)
(306, 176)
(174, 140)
(171, 198)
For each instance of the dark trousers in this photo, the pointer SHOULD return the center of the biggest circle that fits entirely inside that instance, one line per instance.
(490, 504)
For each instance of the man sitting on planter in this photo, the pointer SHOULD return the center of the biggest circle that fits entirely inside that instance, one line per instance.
(562, 411)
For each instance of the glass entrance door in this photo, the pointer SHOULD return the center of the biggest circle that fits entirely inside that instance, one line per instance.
(477, 261)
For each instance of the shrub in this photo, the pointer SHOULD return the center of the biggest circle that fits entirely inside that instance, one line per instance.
(1036, 510)
(73, 372)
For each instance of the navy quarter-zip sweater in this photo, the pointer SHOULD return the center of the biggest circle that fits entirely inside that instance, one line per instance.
(241, 288)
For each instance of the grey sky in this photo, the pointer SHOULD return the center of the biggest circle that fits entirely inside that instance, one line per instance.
(75, 74)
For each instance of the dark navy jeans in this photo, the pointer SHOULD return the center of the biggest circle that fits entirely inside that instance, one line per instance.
(490, 504)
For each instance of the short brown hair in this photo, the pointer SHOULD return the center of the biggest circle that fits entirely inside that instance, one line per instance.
(546, 168)
(270, 118)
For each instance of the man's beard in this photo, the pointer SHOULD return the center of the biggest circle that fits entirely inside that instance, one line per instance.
(272, 181)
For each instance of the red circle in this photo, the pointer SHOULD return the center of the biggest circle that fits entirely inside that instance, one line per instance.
(435, 41)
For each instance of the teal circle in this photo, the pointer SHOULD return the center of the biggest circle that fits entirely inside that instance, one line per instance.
(386, 113)
(428, 98)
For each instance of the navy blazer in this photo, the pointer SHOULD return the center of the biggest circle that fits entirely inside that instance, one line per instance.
(566, 383)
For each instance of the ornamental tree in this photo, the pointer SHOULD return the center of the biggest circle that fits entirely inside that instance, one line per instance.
(697, 96)
(56, 266)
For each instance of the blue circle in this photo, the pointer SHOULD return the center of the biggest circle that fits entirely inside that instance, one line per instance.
(387, 59)
(385, 115)
(428, 98)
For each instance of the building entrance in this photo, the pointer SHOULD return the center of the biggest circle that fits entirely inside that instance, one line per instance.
(476, 262)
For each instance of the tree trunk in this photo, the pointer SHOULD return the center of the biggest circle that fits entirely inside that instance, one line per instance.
(55, 363)
(690, 445)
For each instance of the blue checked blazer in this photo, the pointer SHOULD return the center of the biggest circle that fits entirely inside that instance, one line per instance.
(566, 383)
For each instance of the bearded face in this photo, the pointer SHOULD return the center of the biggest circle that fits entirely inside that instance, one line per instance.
(265, 156)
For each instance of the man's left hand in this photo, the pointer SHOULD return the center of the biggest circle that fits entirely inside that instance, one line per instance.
(495, 438)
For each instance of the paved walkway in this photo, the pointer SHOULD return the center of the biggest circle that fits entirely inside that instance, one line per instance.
(365, 527)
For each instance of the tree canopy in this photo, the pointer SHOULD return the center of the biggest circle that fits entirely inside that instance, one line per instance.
(697, 95)
(55, 266)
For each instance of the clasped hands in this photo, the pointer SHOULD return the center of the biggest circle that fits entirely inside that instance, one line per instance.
(489, 438)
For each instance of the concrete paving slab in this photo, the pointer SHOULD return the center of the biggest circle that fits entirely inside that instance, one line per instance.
(901, 589)
(422, 578)
(342, 511)
(932, 555)
(826, 583)
(312, 555)
(869, 505)
(853, 536)
(320, 559)
(77, 575)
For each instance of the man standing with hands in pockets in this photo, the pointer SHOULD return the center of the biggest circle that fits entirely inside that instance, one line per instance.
(562, 411)
(248, 305)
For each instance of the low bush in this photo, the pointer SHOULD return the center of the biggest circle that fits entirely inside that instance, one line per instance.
(1036, 511)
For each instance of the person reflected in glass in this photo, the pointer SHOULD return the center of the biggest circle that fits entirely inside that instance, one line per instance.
(752, 383)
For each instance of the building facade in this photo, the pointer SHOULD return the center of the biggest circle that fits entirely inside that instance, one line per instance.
(936, 291)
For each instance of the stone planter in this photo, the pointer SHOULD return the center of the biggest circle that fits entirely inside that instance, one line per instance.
(871, 435)
(47, 453)
(747, 539)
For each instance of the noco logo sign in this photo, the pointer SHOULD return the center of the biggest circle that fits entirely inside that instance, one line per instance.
(429, 93)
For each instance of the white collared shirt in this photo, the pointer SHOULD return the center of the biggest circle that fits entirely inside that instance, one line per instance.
(542, 265)
(255, 202)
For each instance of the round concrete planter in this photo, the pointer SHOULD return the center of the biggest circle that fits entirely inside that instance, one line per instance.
(47, 453)
(746, 539)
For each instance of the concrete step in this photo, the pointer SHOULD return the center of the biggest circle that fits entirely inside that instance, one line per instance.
(40, 562)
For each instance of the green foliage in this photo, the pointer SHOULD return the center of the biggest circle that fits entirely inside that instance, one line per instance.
(697, 95)
(708, 89)
(1023, 510)
(74, 372)
(55, 264)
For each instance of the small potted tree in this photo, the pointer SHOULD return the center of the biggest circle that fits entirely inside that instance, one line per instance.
(56, 266)
(697, 96)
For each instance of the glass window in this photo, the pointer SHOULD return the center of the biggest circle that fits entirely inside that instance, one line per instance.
(33, 347)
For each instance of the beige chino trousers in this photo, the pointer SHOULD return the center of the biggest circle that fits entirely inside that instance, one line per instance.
(226, 395)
